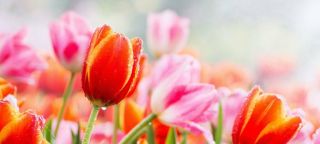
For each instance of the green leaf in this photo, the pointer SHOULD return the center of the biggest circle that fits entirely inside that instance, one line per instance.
(47, 131)
(171, 137)
(184, 137)
(150, 133)
(76, 136)
(218, 130)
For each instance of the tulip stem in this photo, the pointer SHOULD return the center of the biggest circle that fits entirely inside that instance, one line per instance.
(137, 128)
(115, 124)
(92, 119)
(66, 94)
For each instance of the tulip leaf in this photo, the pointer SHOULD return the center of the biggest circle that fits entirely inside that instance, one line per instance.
(218, 130)
(47, 131)
(76, 136)
(150, 134)
(184, 137)
(171, 137)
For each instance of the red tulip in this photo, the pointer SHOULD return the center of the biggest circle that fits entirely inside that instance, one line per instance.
(112, 67)
(17, 128)
(263, 119)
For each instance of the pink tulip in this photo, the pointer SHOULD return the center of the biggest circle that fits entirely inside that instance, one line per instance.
(70, 37)
(182, 104)
(316, 137)
(231, 101)
(167, 32)
(165, 67)
(17, 59)
(64, 134)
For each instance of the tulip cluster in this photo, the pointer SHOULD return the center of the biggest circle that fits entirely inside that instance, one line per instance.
(100, 87)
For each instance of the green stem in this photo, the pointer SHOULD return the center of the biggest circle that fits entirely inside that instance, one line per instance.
(137, 128)
(218, 132)
(66, 94)
(92, 119)
(115, 124)
(150, 133)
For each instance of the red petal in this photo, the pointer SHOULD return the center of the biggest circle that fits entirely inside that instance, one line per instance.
(26, 129)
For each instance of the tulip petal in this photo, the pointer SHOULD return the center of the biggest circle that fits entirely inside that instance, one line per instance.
(8, 113)
(196, 128)
(25, 129)
(133, 114)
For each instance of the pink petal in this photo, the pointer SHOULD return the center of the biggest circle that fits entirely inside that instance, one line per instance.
(197, 129)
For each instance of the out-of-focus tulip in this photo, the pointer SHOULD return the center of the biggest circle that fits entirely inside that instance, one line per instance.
(112, 67)
(54, 79)
(167, 32)
(17, 59)
(64, 134)
(226, 75)
(6, 88)
(16, 128)
(184, 105)
(70, 36)
(102, 133)
(275, 67)
(132, 115)
(165, 67)
(264, 118)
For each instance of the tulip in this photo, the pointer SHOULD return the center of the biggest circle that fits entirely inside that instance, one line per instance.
(16, 127)
(167, 32)
(17, 59)
(175, 102)
(264, 119)
(132, 115)
(112, 68)
(111, 71)
(70, 36)
(165, 67)
(6, 88)
(185, 106)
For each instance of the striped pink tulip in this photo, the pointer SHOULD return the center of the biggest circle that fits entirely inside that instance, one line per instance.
(70, 36)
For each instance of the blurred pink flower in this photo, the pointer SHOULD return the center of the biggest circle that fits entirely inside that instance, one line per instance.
(165, 67)
(64, 134)
(167, 32)
(18, 60)
(70, 36)
(177, 102)
(102, 134)
(316, 137)
(275, 67)
(231, 101)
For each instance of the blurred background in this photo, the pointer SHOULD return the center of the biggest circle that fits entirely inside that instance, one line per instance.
(238, 31)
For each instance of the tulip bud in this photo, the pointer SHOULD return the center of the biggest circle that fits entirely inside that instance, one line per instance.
(112, 67)
(70, 38)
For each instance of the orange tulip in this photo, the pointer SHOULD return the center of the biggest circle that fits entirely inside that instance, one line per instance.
(263, 119)
(6, 88)
(112, 67)
(16, 128)
(133, 114)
